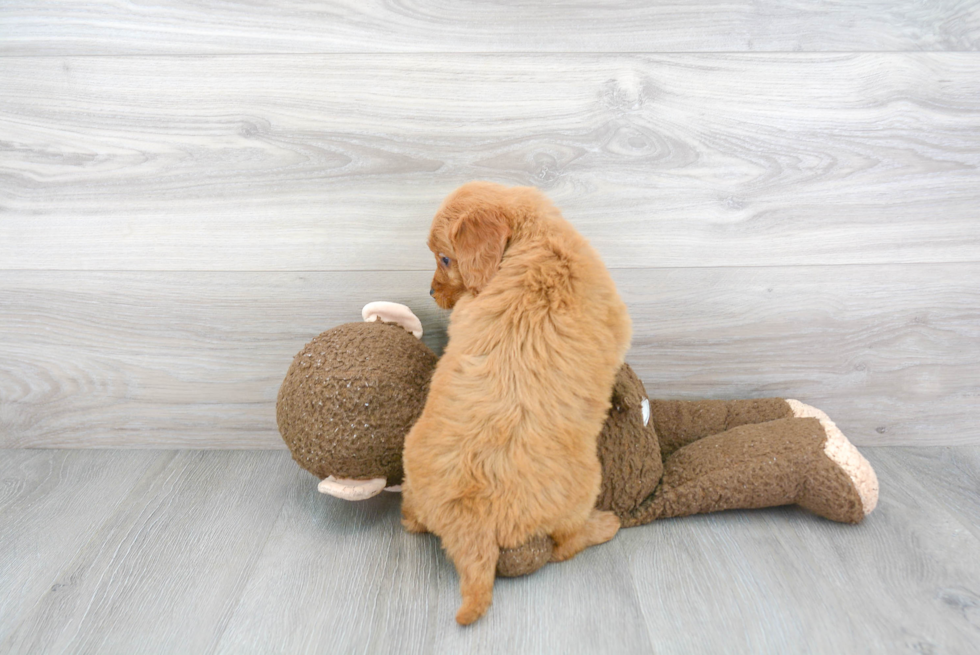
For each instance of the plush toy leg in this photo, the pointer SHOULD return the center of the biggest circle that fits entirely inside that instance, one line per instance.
(781, 462)
(680, 422)
(526, 558)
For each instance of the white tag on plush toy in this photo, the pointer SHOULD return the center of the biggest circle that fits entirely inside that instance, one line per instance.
(645, 406)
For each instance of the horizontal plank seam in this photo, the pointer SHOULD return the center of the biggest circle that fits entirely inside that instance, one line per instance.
(429, 270)
(163, 449)
(496, 53)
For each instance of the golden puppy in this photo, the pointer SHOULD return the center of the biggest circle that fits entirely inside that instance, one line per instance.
(505, 448)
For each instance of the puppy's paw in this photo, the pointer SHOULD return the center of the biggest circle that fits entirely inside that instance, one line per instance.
(598, 529)
(413, 527)
(411, 523)
(604, 526)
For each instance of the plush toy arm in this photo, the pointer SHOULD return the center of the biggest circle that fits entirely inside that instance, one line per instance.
(680, 422)
(787, 461)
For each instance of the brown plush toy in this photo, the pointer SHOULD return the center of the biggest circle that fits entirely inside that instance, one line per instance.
(351, 395)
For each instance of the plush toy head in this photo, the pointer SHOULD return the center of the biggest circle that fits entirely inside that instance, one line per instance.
(350, 397)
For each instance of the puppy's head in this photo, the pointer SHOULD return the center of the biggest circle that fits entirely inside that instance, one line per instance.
(468, 237)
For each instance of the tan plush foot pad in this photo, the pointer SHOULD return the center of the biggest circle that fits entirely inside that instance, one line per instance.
(843, 452)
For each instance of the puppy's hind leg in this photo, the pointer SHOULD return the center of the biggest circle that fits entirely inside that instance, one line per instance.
(410, 519)
(411, 523)
(475, 555)
(599, 528)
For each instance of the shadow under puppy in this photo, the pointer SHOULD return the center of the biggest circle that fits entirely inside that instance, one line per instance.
(505, 448)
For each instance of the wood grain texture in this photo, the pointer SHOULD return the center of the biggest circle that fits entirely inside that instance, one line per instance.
(196, 359)
(182, 359)
(236, 552)
(345, 577)
(783, 581)
(165, 572)
(338, 162)
(336, 577)
(177, 27)
(950, 474)
(51, 504)
(862, 343)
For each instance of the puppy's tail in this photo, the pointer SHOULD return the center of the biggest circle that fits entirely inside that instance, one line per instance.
(475, 555)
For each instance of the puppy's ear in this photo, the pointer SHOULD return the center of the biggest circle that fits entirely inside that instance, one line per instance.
(479, 238)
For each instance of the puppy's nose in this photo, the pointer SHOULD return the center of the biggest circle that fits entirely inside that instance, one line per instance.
(432, 291)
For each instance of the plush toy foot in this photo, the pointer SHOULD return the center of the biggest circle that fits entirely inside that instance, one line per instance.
(600, 528)
(844, 454)
(526, 558)
(799, 460)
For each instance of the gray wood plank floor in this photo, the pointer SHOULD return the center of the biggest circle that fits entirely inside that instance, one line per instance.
(236, 552)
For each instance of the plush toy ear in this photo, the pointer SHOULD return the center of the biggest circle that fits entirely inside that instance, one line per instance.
(393, 312)
(479, 238)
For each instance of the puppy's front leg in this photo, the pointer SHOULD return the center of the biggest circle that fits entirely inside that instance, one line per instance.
(410, 519)
(411, 523)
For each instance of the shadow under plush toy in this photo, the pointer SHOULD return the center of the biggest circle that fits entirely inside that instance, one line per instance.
(351, 395)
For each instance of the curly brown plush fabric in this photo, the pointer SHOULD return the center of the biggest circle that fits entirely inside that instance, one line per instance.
(350, 397)
(628, 450)
(680, 422)
(717, 455)
(779, 462)
(353, 392)
(530, 556)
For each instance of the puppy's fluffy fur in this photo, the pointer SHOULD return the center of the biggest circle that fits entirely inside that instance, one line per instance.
(505, 448)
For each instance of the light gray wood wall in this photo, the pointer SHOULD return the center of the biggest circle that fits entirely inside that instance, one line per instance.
(788, 195)
(67, 27)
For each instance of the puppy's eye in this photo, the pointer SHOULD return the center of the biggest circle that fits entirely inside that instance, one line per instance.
(444, 260)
